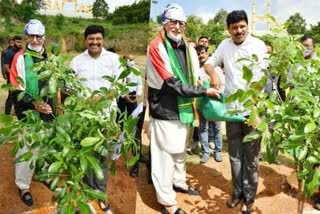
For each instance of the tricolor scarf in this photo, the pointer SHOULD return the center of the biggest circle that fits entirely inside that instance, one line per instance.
(187, 106)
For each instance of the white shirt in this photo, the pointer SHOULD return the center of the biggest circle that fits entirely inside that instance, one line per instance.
(94, 69)
(203, 76)
(228, 53)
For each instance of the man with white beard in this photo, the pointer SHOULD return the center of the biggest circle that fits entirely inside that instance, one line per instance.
(172, 69)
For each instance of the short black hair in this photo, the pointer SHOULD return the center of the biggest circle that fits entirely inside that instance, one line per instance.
(203, 37)
(305, 37)
(16, 37)
(93, 29)
(201, 47)
(236, 16)
(10, 40)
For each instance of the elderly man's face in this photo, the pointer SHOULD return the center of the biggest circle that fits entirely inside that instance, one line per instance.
(35, 41)
(175, 28)
(238, 31)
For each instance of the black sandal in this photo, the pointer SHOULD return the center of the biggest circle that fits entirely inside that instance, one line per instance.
(26, 198)
(234, 198)
(247, 203)
(178, 211)
(104, 209)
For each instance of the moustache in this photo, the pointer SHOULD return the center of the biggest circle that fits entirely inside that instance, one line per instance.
(239, 34)
(95, 44)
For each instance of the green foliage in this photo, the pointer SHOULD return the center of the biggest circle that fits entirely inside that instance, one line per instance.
(298, 25)
(215, 32)
(314, 32)
(159, 21)
(221, 17)
(27, 8)
(59, 21)
(7, 11)
(294, 121)
(129, 14)
(100, 9)
(69, 143)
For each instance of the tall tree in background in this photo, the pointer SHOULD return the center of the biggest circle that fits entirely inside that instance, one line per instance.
(314, 32)
(6, 10)
(298, 25)
(100, 9)
(27, 9)
(221, 17)
(193, 27)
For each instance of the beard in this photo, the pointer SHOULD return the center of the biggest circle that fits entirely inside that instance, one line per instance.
(174, 37)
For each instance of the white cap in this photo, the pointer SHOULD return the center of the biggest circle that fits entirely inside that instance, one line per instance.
(172, 11)
(34, 27)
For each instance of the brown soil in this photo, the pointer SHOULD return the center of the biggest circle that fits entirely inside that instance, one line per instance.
(129, 196)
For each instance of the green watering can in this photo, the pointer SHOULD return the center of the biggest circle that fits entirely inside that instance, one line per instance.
(214, 110)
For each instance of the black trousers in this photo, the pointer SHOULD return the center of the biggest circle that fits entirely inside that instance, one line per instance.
(10, 99)
(244, 160)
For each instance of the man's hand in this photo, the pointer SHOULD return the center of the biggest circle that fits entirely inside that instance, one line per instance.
(4, 76)
(212, 92)
(43, 108)
(127, 98)
(200, 83)
(214, 78)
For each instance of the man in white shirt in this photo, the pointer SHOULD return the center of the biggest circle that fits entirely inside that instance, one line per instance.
(92, 65)
(243, 156)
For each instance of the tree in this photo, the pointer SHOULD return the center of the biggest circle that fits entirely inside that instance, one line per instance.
(298, 25)
(6, 10)
(100, 9)
(221, 17)
(159, 21)
(69, 143)
(59, 20)
(193, 27)
(314, 32)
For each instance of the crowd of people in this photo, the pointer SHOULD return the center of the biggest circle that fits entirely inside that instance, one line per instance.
(175, 71)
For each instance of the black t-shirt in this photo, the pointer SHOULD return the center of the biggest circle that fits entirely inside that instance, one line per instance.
(8, 57)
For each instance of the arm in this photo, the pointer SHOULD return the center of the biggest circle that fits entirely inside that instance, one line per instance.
(214, 78)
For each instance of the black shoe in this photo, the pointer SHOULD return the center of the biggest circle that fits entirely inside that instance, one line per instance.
(106, 209)
(235, 201)
(143, 159)
(190, 191)
(134, 172)
(178, 211)
(26, 198)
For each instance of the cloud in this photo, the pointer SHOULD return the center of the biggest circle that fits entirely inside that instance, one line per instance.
(309, 10)
(205, 15)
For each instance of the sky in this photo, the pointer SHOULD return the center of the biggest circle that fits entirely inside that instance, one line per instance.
(281, 10)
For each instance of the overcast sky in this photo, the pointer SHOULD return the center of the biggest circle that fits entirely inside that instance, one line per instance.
(280, 9)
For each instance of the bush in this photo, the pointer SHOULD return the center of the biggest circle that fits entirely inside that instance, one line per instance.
(59, 20)
(79, 46)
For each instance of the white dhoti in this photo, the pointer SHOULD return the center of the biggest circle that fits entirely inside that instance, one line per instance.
(23, 173)
(168, 141)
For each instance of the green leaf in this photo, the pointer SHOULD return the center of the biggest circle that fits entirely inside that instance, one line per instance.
(124, 74)
(70, 209)
(21, 95)
(255, 57)
(6, 119)
(53, 84)
(288, 23)
(246, 74)
(95, 166)
(113, 168)
(37, 67)
(96, 194)
(58, 47)
(20, 80)
(9, 86)
(302, 153)
(135, 71)
(44, 74)
(44, 91)
(312, 159)
(55, 166)
(15, 150)
(314, 183)
(251, 136)
(24, 157)
(309, 127)
(54, 182)
(291, 144)
(109, 78)
(252, 117)
(34, 54)
(84, 207)
(131, 84)
(89, 141)
(83, 164)
(296, 137)
(133, 160)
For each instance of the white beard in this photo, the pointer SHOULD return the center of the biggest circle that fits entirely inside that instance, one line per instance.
(177, 39)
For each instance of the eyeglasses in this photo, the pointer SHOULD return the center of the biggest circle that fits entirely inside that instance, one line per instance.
(31, 36)
(174, 22)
